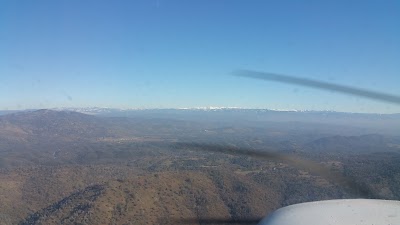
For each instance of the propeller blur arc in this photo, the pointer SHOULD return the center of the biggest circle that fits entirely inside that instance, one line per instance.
(304, 164)
(379, 96)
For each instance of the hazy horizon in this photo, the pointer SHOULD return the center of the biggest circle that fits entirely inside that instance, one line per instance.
(199, 108)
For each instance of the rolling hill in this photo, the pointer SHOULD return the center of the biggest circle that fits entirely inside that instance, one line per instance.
(61, 167)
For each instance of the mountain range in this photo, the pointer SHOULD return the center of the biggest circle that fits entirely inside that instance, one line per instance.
(67, 167)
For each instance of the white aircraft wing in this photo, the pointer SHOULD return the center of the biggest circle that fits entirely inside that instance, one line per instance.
(337, 212)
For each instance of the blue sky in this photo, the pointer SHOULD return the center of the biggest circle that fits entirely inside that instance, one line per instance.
(168, 54)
